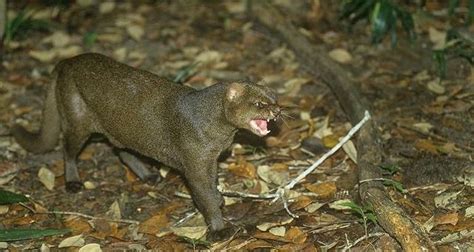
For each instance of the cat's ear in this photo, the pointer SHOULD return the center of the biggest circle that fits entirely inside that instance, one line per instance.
(234, 91)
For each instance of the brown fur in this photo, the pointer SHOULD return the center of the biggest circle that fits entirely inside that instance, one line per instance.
(139, 111)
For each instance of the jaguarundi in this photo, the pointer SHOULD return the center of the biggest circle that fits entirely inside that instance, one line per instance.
(138, 111)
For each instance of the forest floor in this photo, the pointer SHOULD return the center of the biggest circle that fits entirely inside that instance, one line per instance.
(426, 127)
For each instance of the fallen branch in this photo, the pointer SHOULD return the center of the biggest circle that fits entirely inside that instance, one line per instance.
(390, 216)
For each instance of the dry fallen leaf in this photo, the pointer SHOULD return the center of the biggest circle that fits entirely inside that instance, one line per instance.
(423, 126)
(77, 225)
(340, 55)
(120, 54)
(267, 225)
(89, 185)
(426, 145)
(438, 38)
(58, 39)
(73, 241)
(243, 168)
(330, 141)
(68, 52)
(295, 235)
(190, 232)
(114, 211)
(351, 151)
(87, 153)
(164, 170)
(269, 175)
(106, 7)
(43, 56)
(278, 231)
(46, 177)
(154, 225)
(211, 59)
(447, 200)
(301, 202)
(91, 247)
(338, 204)
(135, 31)
(293, 86)
(324, 189)
(449, 218)
(313, 207)
(8, 170)
(435, 87)
(110, 37)
(469, 212)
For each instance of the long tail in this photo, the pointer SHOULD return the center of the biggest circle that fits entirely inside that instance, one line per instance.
(48, 135)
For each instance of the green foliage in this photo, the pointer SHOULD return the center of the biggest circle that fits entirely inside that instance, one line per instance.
(185, 72)
(395, 185)
(16, 234)
(457, 46)
(383, 16)
(7, 197)
(366, 213)
(89, 39)
(21, 24)
(391, 169)
(196, 242)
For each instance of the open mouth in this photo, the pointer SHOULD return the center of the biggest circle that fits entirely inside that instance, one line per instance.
(259, 126)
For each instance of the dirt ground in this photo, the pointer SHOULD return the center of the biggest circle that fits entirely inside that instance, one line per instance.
(426, 127)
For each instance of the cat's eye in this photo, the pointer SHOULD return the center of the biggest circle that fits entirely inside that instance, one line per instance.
(260, 104)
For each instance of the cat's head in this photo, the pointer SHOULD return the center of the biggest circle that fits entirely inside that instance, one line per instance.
(251, 106)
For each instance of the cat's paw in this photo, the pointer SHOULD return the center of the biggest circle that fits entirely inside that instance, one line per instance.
(74, 186)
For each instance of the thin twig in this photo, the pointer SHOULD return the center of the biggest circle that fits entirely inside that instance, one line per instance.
(282, 190)
(372, 179)
(350, 245)
(330, 152)
(185, 218)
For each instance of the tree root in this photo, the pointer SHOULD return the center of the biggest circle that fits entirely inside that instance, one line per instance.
(390, 216)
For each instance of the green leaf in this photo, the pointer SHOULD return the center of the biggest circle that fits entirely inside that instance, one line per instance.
(395, 184)
(391, 168)
(439, 57)
(195, 242)
(7, 197)
(452, 6)
(7, 235)
(383, 20)
(354, 207)
(470, 15)
(356, 9)
(22, 23)
(408, 23)
(90, 38)
(185, 72)
(371, 217)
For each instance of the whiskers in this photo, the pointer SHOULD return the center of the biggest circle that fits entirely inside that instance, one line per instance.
(284, 114)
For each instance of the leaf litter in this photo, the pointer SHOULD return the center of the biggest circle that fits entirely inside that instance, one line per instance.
(162, 43)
